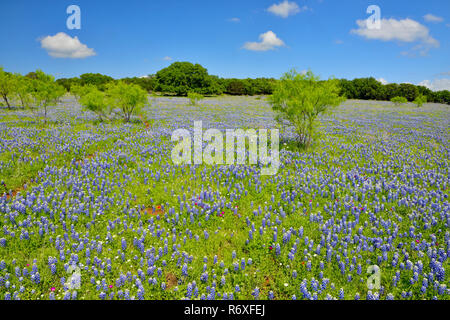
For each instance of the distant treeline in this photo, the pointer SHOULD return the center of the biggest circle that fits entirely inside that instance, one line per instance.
(180, 78)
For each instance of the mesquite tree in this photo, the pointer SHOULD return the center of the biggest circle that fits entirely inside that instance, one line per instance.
(299, 98)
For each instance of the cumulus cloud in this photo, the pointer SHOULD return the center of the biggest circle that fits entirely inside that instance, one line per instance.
(432, 18)
(406, 30)
(269, 41)
(286, 9)
(62, 45)
(382, 80)
(167, 58)
(436, 84)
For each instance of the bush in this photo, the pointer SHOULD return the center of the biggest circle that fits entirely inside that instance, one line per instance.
(46, 91)
(399, 100)
(420, 100)
(194, 97)
(94, 100)
(129, 98)
(182, 77)
(298, 99)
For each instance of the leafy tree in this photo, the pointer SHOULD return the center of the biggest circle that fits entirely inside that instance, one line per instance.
(67, 83)
(129, 98)
(46, 91)
(24, 90)
(399, 100)
(77, 91)
(420, 100)
(99, 80)
(182, 77)
(146, 83)
(7, 86)
(94, 100)
(194, 97)
(235, 87)
(407, 90)
(298, 99)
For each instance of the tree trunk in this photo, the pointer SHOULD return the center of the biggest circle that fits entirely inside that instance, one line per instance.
(6, 100)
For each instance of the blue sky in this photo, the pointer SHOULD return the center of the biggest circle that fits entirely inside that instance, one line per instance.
(246, 38)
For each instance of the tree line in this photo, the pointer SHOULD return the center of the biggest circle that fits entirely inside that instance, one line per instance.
(103, 95)
(182, 78)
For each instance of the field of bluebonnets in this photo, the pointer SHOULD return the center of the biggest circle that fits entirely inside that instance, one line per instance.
(105, 200)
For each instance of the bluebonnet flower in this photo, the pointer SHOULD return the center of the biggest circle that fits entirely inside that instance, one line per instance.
(255, 293)
(341, 294)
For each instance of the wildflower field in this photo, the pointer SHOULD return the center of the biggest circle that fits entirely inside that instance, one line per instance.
(104, 201)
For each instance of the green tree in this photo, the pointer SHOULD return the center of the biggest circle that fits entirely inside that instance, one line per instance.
(298, 99)
(194, 97)
(99, 80)
(420, 100)
(235, 87)
(94, 100)
(24, 91)
(129, 98)
(46, 91)
(182, 77)
(7, 86)
(407, 90)
(399, 100)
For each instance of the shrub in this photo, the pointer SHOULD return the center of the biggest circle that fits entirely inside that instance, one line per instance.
(298, 99)
(399, 100)
(420, 100)
(194, 97)
(94, 100)
(129, 98)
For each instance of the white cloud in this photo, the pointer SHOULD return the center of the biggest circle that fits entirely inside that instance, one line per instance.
(234, 20)
(62, 45)
(382, 80)
(286, 9)
(269, 41)
(338, 42)
(406, 30)
(436, 84)
(167, 58)
(432, 18)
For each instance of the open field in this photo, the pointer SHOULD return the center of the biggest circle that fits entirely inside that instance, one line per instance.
(106, 200)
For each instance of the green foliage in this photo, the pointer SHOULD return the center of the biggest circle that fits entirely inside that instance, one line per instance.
(24, 91)
(129, 98)
(183, 77)
(420, 100)
(99, 80)
(94, 100)
(257, 86)
(146, 83)
(7, 86)
(77, 91)
(194, 97)
(298, 99)
(399, 100)
(371, 89)
(68, 83)
(46, 91)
